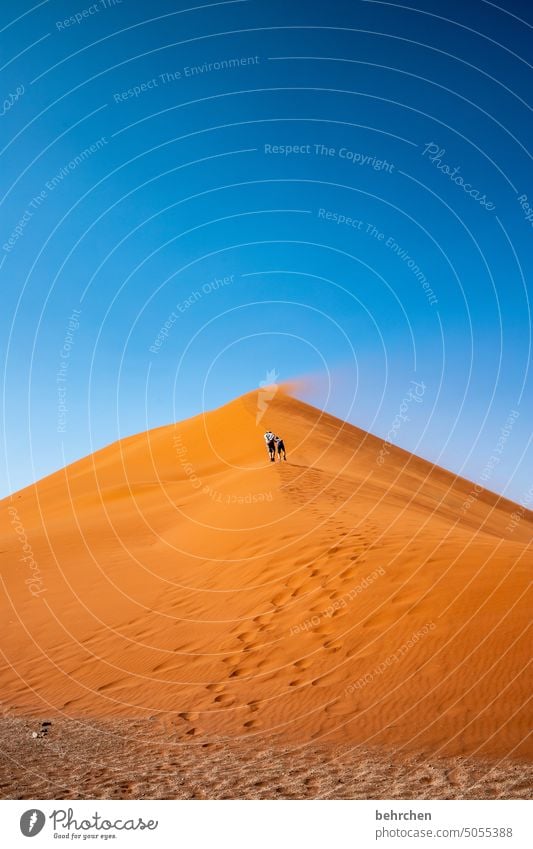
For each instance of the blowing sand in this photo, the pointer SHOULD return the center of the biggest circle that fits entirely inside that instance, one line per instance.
(352, 623)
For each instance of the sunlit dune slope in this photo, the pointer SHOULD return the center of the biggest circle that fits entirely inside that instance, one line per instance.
(178, 575)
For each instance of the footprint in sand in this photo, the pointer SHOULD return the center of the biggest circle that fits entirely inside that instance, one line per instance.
(262, 619)
(246, 636)
(303, 561)
(357, 652)
(281, 598)
(303, 663)
(253, 668)
(231, 659)
(338, 709)
(104, 687)
(376, 620)
(248, 672)
(456, 776)
(236, 673)
(294, 580)
(333, 645)
(338, 612)
(325, 631)
(224, 700)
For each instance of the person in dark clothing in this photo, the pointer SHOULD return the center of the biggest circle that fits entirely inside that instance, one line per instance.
(281, 448)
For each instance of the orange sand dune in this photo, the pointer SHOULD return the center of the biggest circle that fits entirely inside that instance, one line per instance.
(177, 574)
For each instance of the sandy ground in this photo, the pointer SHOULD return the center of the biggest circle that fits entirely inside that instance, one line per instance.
(346, 598)
(137, 759)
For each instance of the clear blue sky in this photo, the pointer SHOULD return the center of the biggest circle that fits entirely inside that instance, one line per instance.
(151, 149)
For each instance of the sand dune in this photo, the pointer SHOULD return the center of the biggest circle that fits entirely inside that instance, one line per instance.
(178, 576)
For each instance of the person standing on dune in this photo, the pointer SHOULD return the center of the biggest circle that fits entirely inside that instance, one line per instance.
(270, 440)
(281, 448)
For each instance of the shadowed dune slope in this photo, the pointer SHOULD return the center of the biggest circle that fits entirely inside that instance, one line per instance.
(178, 575)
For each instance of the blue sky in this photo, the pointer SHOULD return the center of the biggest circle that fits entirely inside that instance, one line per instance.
(193, 197)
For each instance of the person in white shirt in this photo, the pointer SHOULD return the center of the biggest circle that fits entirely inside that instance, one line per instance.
(270, 440)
